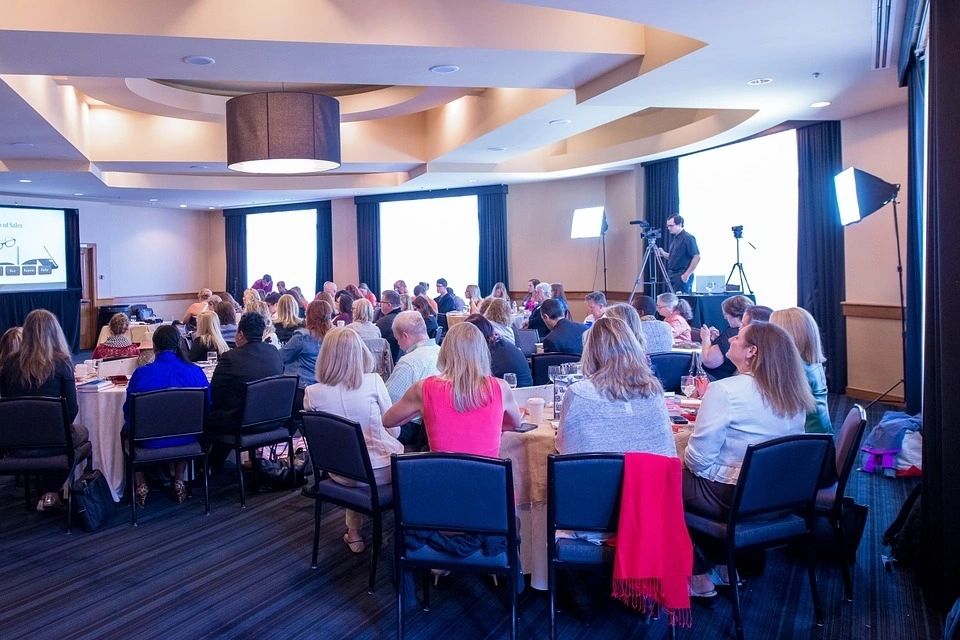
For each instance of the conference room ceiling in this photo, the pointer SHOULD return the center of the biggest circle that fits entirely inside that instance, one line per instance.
(96, 99)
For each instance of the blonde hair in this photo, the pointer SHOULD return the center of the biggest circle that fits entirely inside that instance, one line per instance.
(43, 348)
(629, 315)
(497, 311)
(362, 310)
(203, 294)
(10, 343)
(472, 292)
(119, 323)
(250, 300)
(406, 302)
(500, 291)
(804, 330)
(777, 369)
(616, 363)
(464, 361)
(288, 311)
(343, 359)
(208, 332)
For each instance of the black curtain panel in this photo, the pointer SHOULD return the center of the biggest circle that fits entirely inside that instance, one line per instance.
(324, 243)
(661, 200)
(820, 259)
(940, 514)
(235, 239)
(494, 262)
(368, 243)
(915, 171)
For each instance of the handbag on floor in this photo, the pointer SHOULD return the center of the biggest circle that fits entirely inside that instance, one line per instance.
(92, 501)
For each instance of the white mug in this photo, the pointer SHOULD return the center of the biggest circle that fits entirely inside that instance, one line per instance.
(535, 410)
(341, 323)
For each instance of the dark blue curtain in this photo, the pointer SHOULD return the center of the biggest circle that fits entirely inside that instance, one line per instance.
(494, 261)
(661, 200)
(368, 244)
(324, 244)
(65, 304)
(235, 240)
(913, 375)
(820, 258)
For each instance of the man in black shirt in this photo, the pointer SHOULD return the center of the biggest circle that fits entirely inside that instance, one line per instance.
(445, 301)
(683, 257)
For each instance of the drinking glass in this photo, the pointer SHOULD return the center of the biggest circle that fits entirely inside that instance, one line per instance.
(510, 379)
(710, 284)
(212, 357)
(688, 385)
(553, 372)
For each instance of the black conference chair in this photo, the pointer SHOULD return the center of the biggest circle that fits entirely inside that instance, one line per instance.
(670, 367)
(337, 446)
(526, 340)
(772, 504)
(159, 414)
(266, 420)
(37, 439)
(541, 362)
(446, 492)
(830, 500)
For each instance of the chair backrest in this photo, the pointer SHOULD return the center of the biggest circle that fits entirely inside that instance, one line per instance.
(526, 340)
(442, 322)
(382, 356)
(848, 444)
(34, 422)
(540, 363)
(670, 367)
(117, 367)
(166, 412)
(337, 446)
(583, 491)
(453, 492)
(780, 475)
(438, 335)
(268, 400)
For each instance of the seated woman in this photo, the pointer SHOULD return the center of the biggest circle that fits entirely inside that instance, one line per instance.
(756, 313)
(500, 291)
(228, 322)
(768, 400)
(557, 293)
(422, 304)
(714, 344)
(474, 297)
(344, 309)
(464, 408)
(10, 343)
(269, 332)
(207, 338)
(118, 344)
(645, 305)
(346, 388)
(189, 316)
(299, 354)
(170, 369)
(251, 298)
(677, 314)
(301, 301)
(288, 317)
(421, 290)
(528, 302)
(497, 311)
(505, 357)
(42, 367)
(619, 405)
(806, 336)
(363, 320)
(626, 313)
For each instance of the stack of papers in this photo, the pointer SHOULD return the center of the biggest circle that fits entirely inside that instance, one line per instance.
(94, 385)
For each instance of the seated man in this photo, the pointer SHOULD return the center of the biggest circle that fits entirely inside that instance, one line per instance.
(418, 362)
(251, 360)
(566, 336)
(596, 305)
(445, 301)
(389, 308)
(541, 293)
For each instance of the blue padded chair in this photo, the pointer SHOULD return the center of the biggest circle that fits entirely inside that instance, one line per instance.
(266, 420)
(773, 504)
(670, 367)
(526, 340)
(541, 362)
(165, 413)
(448, 492)
(337, 446)
(40, 425)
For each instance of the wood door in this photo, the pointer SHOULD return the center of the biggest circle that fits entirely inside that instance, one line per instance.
(88, 296)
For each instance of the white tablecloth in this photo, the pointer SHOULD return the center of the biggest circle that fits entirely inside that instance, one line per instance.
(101, 412)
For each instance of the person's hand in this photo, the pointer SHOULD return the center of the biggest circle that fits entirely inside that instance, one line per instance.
(714, 333)
(662, 253)
(685, 276)
(705, 333)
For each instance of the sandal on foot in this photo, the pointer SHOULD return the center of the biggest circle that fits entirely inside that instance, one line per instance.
(142, 491)
(180, 491)
(356, 546)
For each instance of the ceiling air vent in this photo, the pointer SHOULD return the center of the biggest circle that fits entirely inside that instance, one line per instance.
(883, 12)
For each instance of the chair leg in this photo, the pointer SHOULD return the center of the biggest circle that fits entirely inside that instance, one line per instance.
(812, 571)
(377, 541)
(844, 564)
(243, 502)
(317, 510)
(512, 578)
(293, 473)
(552, 585)
(26, 492)
(734, 590)
(400, 596)
(425, 579)
(132, 494)
(70, 511)
(206, 484)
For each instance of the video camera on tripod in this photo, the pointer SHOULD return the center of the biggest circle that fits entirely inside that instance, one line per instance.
(647, 232)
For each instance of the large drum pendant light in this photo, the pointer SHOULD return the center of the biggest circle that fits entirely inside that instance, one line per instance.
(283, 132)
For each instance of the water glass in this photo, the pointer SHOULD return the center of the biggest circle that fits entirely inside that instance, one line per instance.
(212, 357)
(688, 385)
(553, 372)
(510, 379)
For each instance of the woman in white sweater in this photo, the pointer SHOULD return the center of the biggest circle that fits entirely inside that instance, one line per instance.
(347, 387)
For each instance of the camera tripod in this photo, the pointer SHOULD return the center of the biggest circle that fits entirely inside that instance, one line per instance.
(737, 268)
(651, 257)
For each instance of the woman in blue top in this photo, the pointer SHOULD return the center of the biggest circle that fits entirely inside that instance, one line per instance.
(299, 354)
(170, 370)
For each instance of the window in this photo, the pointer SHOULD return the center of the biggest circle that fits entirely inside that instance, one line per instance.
(754, 184)
(428, 239)
(283, 244)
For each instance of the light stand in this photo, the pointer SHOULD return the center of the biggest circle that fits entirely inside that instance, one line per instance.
(603, 243)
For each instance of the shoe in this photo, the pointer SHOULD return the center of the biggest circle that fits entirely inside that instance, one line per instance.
(142, 491)
(721, 579)
(437, 574)
(48, 501)
(707, 599)
(356, 546)
(180, 491)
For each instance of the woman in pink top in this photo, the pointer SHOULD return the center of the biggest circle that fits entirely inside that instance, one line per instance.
(676, 313)
(464, 408)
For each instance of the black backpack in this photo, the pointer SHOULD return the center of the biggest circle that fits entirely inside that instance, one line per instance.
(903, 535)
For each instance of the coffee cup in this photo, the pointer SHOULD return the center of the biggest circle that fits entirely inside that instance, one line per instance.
(535, 409)
(91, 366)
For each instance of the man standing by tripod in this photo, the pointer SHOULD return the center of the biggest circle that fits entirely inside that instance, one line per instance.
(683, 257)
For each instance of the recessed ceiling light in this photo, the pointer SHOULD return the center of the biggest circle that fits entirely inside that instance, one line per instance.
(496, 148)
(445, 68)
(154, 199)
(200, 61)
(183, 206)
(820, 105)
(24, 180)
(756, 82)
(21, 145)
(561, 121)
(211, 207)
(78, 194)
